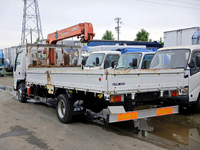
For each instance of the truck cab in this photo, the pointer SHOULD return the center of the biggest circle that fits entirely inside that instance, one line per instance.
(143, 60)
(19, 68)
(101, 60)
(186, 58)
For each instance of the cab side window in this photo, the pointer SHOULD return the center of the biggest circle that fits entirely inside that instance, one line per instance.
(194, 67)
(109, 59)
(146, 61)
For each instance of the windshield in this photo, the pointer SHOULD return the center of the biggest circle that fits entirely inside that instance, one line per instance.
(170, 59)
(126, 59)
(92, 60)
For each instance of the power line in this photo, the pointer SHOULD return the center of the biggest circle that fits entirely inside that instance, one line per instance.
(197, 0)
(167, 4)
(183, 2)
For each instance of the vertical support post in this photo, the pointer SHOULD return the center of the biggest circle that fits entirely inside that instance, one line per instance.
(47, 56)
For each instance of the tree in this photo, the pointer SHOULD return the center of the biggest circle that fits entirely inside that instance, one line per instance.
(108, 36)
(37, 40)
(142, 35)
(161, 41)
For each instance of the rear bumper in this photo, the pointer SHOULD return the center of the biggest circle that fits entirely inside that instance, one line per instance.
(117, 113)
(180, 100)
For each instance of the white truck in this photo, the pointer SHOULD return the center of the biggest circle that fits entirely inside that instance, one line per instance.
(102, 57)
(111, 94)
(101, 60)
(110, 59)
(186, 58)
(143, 60)
(180, 37)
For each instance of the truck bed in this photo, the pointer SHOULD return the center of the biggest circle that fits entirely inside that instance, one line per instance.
(107, 81)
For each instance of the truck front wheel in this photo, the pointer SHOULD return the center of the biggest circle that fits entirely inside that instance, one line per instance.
(64, 109)
(20, 94)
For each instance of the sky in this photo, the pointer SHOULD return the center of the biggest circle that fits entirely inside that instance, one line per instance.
(155, 16)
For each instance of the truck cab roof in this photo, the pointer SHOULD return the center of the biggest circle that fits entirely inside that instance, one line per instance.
(108, 52)
(192, 47)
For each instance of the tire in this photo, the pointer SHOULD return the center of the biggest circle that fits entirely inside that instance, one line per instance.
(64, 109)
(20, 95)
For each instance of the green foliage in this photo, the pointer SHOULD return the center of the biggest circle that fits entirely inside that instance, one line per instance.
(108, 36)
(37, 40)
(142, 35)
(161, 41)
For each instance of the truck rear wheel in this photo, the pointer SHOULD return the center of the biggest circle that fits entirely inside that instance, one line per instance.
(64, 109)
(20, 95)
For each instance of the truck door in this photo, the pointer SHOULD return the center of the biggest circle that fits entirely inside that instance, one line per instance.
(19, 69)
(146, 61)
(109, 59)
(194, 84)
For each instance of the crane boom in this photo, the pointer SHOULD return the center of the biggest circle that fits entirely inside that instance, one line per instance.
(83, 30)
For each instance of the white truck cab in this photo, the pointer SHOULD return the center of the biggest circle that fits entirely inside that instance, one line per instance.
(143, 60)
(19, 68)
(188, 59)
(101, 60)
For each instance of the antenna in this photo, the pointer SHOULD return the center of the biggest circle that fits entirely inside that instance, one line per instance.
(31, 24)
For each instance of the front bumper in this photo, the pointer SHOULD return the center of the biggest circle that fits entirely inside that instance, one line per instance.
(2, 71)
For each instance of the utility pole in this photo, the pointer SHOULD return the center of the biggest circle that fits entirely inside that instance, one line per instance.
(118, 27)
(31, 25)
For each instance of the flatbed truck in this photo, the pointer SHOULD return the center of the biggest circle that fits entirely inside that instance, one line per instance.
(111, 94)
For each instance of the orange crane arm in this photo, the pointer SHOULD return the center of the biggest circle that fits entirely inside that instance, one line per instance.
(83, 30)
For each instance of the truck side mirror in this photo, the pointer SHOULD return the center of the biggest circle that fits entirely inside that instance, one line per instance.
(198, 61)
(97, 60)
(191, 65)
(83, 62)
(113, 64)
(134, 62)
(144, 64)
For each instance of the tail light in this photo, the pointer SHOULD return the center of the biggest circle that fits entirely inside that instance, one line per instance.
(116, 98)
(29, 90)
(175, 93)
